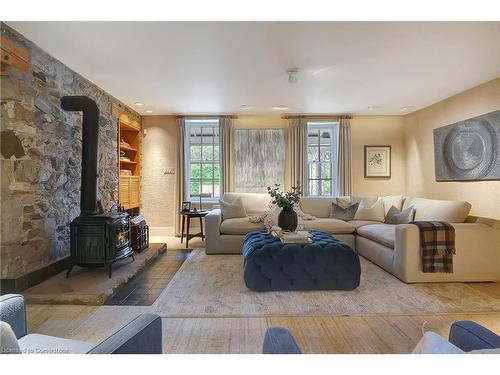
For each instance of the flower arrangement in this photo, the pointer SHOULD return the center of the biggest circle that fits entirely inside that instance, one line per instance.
(287, 199)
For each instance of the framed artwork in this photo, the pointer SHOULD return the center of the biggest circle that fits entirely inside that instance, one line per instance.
(186, 206)
(377, 161)
(468, 150)
(259, 159)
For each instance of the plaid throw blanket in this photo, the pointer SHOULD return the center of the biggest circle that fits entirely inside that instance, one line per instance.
(437, 246)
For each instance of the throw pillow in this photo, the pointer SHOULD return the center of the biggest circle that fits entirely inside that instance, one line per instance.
(233, 209)
(343, 213)
(392, 200)
(344, 201)
(432, 343)
(8, 340)
(375, 212)
(395, 216)
(367, 201)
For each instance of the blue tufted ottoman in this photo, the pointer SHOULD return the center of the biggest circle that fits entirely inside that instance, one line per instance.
(325, 264)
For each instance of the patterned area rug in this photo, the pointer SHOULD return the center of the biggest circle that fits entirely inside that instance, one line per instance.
(212, 285)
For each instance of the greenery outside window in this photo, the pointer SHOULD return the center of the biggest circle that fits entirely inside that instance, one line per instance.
(202, 159)
(322, 147)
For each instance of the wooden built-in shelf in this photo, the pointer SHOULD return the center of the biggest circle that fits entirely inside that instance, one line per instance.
(128, 162)
(126, 148)
(129, 130)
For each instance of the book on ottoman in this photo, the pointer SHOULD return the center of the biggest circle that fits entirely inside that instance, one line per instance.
(295, 237)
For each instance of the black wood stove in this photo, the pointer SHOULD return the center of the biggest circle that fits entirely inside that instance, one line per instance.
(96, 238)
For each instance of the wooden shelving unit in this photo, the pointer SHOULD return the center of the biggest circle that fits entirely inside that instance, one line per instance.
(129, 147)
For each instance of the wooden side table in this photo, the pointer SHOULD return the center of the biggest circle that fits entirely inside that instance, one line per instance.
(189, 215)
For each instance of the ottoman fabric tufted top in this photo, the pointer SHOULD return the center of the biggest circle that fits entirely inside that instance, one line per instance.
(324, 264)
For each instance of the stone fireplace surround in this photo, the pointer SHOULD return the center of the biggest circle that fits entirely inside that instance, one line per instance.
(40, 162)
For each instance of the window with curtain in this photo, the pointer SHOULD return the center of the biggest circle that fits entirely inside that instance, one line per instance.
(322, 150)
(202, 159)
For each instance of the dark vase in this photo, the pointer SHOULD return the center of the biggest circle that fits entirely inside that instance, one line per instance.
(287, 219)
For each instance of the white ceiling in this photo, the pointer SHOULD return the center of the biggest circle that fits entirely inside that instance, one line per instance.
(215, 67)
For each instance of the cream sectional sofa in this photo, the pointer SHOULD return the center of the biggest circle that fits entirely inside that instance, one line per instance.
(395, 248)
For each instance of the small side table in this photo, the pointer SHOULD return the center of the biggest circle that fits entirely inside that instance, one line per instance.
(189, 215)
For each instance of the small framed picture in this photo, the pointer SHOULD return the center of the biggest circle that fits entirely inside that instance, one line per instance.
(378, 162)
(186, 206)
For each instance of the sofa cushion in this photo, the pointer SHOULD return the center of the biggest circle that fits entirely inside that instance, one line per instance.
(367, 201)
(438, 210)
(317, 206)
(254, 203)
(43, 344)
(381, 233)
(232, 209)
(360, 223)
(392, 200)
(330, 226)
(8, 340)
(240, 225)
(374, 212)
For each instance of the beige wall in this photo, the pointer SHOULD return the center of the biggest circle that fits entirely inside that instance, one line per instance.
(160, 150)
(483, 195)
(159, 154)
(411, 143)
(378, 130)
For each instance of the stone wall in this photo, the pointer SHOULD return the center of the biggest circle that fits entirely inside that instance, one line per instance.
(40, 158)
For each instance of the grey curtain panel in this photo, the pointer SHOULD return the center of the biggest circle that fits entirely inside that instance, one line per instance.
(344, 158)
(180, 189)
(297, 144)
(226, 139)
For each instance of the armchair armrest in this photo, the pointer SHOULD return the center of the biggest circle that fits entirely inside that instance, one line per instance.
(143, 335)
(468, 335)
(213, 221)
(477, 257)
(279, 340)
(13, 311)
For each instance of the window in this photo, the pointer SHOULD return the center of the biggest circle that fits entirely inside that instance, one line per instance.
(202, 159)
(322, 145)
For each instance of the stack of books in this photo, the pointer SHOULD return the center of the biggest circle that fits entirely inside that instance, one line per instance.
(299, 237)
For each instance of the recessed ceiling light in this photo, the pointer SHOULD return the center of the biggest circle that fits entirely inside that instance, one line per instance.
(139, 104)
(281, 107)
(245, 106)
(148, 111)
(373, 106)
(407, 107)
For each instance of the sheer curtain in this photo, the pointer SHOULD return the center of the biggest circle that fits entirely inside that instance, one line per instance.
(297, 143)
(180, 192)
(226, 135)
(344, 158)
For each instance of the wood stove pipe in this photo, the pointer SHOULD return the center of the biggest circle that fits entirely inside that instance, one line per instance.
(90, 150)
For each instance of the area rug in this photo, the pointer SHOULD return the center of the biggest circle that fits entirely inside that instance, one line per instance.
(212, 285)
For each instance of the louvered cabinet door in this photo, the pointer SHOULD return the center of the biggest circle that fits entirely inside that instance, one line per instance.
(125, 191)
(134, 191)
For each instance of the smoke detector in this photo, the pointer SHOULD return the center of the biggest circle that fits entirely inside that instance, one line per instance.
(292, 75)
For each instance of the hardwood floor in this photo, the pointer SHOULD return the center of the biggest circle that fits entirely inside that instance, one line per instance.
(315, 334)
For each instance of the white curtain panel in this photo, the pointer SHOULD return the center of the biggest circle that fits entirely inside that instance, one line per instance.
(344, 186)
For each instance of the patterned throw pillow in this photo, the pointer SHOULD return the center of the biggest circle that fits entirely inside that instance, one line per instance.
(343, 213)
(395, 216)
